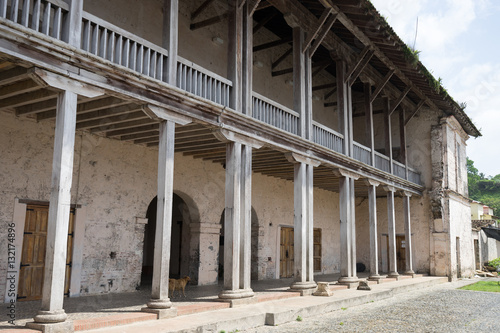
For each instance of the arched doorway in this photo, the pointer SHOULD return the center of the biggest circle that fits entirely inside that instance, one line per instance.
(254, 247)
(179, 246)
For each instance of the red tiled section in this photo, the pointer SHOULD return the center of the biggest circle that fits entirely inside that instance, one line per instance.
(21, 330)
(371, 282)
(338, 287)
(113, 320)
(201, 307)
(277, 296)
(388, 280)
(404, 277)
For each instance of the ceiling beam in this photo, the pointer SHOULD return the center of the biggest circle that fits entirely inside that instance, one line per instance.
(313, 34)
(399, 100)
(381, 85)
(269, 45)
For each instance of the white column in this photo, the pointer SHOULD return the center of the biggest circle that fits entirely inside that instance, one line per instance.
(170, 38)
(246, 217)
(60, 199)
(408, 245)
(348, 274)
(372, 206)
(391, 231)
(161, 261)
(73, 23)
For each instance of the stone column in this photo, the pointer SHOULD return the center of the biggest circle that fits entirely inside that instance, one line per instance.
(160, 302)
(52, 315)
(372, 206)
(348, 273)
(303, 223)
(408, 248)
(391, 232)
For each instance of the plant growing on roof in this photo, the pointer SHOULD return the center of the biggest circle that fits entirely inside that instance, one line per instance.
(411, 55)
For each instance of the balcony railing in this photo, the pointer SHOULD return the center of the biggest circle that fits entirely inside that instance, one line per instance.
(123, 48)
(328, 138)
(275, 114)
(46, 17)
(362, 153)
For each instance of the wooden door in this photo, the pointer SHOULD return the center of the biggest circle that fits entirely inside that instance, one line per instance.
(286, 252)
(401, 253)
(32, 266)
(317, 250)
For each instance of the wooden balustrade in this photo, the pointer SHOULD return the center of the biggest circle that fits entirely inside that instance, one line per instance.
(275, 114)
(327, 137)
(382, 162)
(399, 169)
(362, 153)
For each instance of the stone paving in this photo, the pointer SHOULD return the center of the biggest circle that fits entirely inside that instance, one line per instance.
(441, 308)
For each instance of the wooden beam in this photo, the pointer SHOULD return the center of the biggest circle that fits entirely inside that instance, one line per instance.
(88, 106)
(272, 44)
(17, 88)
(104, 113)
(419, 106)
(208, 22)
(322, 34)
(360, 67)
(253, 6)
(314, 33)
(100, 125)
(123, 125)
(133, 130)
(324, 86)
(281, 58)
(399, 100)
(357, 62)
(37, 108)
(381, 85)
(200, 9)
(263, 22)
(13, 75)
(330, 93)
(320, 69)
(27, 98)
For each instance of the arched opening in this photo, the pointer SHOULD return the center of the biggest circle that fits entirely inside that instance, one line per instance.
(179, 246)
(254, 247)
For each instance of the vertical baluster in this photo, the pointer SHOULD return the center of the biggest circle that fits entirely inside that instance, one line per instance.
(25, 14)
(46, 19)
(86, 36)
(204, 85)
(103, 42)
(159, 66)
(133, 56)
(14, 10)
(3, 8)
(147, 58)
(140, 55)
(118, 49)
(152, 65)
(111, 46)
(126, 52)
(94, 47)
(56, 26)
(219, 88)
(189, 85)
(35, 16)
(179, 72)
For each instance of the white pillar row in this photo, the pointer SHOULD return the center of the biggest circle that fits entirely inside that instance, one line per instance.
(408, 245)
(60, 199)
(372, 216)
(348, 274)
(303, 223)
(391, 231)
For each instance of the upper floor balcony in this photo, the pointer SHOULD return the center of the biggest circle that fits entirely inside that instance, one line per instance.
(113, 39)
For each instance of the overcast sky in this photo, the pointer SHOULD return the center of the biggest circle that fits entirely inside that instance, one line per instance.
(459, 41)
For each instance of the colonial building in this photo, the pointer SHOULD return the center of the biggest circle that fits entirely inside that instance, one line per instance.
(231, 140)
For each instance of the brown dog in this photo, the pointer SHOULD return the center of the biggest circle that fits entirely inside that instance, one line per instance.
(178, 284)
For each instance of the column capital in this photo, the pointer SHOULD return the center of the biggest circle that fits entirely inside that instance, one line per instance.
(406, 194)
(158, 113)
(345, 173)
(225, 135)
(389, 188)
(292, 20)
(49, 79)
(296, 158)
(371, 182)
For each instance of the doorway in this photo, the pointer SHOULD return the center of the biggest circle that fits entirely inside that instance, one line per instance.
(32, 268)
(177, 241)
(401, 253)
(286, 252)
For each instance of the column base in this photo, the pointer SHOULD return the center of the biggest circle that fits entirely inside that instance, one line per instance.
(59, 327)
(376, 278)
(236, 294)
(50, 317)
(305, 288)
(161, 313)
(156, 303)
(323, 289)
(393, 275)
(349, 281)
(410, 272)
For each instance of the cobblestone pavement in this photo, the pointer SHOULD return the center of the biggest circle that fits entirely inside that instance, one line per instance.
(441, 308)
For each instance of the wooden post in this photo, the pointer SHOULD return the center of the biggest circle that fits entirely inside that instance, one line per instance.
(299, 79)
(388, 133)
(170, 38)
(161, 262)
(391, 231)
(247, 60)
(372, 206)
(402, 140)
(246, 217)
(234, 56)
(73, 23)
(370, 140)
(60, 199)
(408, 245)
(310, 222)
(342, 104)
